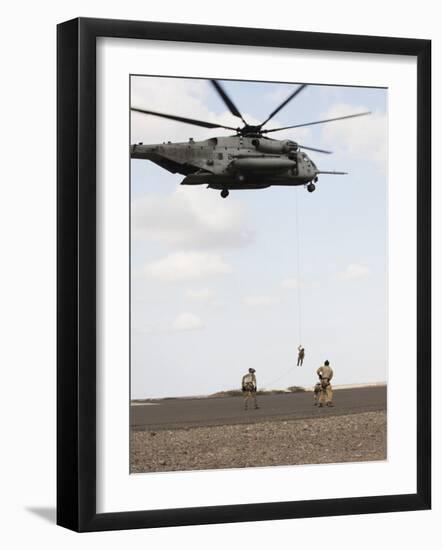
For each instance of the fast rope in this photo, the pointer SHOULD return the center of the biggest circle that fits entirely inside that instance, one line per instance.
(298, 286)
(298, 266)
(268, 384)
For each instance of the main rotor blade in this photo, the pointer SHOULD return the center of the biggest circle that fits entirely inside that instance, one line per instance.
(284, 103)
(316, 122)
(231, 106)
(193, 121)
(313, 149)
(333, 172)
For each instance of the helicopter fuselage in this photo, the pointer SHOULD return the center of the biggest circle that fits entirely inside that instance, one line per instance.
(233, 162)
(246, 160)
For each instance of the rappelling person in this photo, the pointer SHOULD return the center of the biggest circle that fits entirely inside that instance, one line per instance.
(249, 388)
(325, 373)
(301, 354)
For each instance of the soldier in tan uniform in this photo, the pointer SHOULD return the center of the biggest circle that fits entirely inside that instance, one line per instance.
(301, 354)
(316, 393)
(249, 388)
(325, 374)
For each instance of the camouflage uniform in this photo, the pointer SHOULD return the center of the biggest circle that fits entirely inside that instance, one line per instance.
(325, 374)
(301, 353)
(249, 388)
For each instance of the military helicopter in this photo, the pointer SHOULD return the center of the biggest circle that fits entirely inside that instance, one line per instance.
(246, 160)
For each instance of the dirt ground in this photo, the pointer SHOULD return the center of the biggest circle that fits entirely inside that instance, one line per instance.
(349, 438)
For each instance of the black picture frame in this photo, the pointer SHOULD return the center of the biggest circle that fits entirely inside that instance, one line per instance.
(77, 288)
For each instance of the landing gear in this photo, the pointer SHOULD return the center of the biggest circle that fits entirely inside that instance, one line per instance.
(224, 193)
(311, 187)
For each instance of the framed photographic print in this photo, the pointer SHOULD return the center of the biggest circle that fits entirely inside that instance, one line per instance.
(243, 274)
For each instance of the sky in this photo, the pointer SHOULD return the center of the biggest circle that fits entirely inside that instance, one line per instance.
(222, 285)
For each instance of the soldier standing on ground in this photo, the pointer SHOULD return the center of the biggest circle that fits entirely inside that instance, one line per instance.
(301, 353)
(316, 393)
(249, 388)
(325, 374)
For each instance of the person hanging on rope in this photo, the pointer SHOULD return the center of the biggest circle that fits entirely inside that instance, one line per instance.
(249, 388)
(325, 374)
(301, 354)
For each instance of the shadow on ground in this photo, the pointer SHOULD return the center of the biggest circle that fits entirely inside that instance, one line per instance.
(46, 513)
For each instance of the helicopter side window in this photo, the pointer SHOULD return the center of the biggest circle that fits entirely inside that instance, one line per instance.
(220, 156)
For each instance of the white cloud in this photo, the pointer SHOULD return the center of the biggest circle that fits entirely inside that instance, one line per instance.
(294, 283)
(362, 137)
(187, 321)
(180, 266)
(260, 300)
(290, 282)
(183, 321)
(175, 96)
(201, 295)
(190, 217)
(355, 271)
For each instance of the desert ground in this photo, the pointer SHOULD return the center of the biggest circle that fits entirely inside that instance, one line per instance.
(287, 429)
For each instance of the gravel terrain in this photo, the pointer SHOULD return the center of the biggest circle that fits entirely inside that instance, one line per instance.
(349, 438)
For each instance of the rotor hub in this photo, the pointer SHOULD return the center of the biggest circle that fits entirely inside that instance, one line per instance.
(250, 131)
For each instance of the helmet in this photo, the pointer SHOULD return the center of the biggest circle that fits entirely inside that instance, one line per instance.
(252, 371)
(326, 363)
